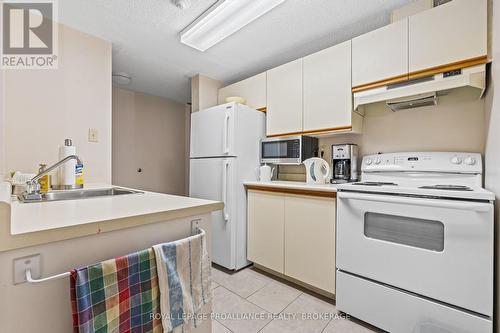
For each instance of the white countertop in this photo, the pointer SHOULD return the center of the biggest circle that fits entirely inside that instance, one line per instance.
(295, 185)
(28, 219)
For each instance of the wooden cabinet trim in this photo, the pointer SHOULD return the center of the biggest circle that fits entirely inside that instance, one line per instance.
(311, 193)
(449, 67)
(381, 83)
(313, 132)
(423, 73)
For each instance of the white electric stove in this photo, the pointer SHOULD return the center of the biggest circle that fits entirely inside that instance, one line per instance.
(415, 244)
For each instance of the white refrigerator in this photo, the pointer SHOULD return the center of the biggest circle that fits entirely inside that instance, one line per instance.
(225, 152)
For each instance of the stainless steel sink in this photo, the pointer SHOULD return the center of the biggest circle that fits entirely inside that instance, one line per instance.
(77, 194)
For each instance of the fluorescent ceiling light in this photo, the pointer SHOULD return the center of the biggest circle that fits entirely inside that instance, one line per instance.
(223, 19)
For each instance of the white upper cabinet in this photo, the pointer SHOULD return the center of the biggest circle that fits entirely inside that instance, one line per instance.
(284, 99)
(252, 89)
(327, 89)
(381, 54)
(453, 32)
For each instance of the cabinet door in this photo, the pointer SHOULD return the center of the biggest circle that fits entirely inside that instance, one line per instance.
(266, 222)
(381, 54)
(252, 89)
(327, 88)
(450, 33)
(284, 99)
(310, 240)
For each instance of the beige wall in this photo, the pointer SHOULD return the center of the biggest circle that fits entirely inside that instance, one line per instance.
(204, 92)
(492, 155)
(2, 125)
(43, 107)
(149, 133)
(457, 123)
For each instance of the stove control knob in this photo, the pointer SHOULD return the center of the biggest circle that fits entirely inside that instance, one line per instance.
(377, 160)
(368, 162)
(456, 160)
(470, 161)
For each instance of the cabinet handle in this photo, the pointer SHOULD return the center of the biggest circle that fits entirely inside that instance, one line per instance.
(225, 174)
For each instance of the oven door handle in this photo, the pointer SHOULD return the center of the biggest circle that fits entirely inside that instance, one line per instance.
(462, 205)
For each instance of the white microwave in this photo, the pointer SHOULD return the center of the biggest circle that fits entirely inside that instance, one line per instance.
(289, 150)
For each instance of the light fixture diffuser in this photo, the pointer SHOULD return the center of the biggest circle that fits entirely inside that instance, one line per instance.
(223, 19)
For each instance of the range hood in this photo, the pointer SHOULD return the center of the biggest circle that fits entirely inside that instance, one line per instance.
(424, 91)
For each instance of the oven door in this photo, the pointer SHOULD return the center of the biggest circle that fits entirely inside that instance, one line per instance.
(281, 151)
(441, 249)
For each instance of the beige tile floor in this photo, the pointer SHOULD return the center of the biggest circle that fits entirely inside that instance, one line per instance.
(249, 301)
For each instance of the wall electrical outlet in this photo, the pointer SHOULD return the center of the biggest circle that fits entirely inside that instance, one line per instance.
(93, 135)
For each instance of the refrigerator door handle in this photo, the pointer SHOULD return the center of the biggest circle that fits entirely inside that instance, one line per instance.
(225, 174)
(225, 134)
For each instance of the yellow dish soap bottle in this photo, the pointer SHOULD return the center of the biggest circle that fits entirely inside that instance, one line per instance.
(45, 180)
(79, 174)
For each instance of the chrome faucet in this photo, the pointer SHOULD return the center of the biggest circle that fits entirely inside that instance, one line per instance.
(33, 187)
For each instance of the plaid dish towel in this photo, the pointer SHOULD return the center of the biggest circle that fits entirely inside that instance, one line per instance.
(184, 280)
(119, 295)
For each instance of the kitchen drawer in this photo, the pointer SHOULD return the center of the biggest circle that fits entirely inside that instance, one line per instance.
(394, 310)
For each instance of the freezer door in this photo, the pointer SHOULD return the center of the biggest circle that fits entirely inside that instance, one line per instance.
(213, 179)
(212, 132)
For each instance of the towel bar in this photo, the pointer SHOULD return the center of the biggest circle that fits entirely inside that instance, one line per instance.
(29, 279)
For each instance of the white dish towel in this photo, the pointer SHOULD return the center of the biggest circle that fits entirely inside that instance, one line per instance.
(184, 280)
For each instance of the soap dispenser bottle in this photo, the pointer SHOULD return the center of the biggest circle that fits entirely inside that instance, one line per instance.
(45, 180)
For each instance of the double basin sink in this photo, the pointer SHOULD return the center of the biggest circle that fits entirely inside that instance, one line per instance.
(77, 194)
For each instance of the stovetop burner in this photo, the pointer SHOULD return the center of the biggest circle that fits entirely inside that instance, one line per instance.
(447, 187)
(375, 183)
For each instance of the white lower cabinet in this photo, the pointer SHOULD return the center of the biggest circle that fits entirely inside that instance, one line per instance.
(293, 235)
(266, 225)
(310, 240)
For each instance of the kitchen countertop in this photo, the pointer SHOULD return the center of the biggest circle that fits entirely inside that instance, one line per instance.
(25, 224)
(292, 186)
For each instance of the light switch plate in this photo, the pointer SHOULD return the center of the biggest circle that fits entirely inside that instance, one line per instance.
(93, 135)
(32, 263)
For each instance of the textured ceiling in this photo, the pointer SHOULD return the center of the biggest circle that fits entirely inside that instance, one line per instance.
(145, 37)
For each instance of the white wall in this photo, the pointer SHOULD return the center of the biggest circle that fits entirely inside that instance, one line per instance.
(44, 107)
(492, 155)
